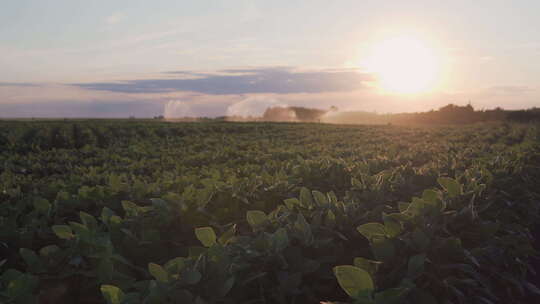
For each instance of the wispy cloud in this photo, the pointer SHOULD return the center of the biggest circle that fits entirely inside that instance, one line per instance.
(509, 90)
(18, 84)
(277, 80)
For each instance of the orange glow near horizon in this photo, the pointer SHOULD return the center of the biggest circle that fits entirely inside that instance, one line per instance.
(404, 65)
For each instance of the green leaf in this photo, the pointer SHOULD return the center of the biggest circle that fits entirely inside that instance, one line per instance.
(196, 251)
(175, 265)
(256, 218)
(450, 185)
(191, 276)
(131, 209)
(115, 220)
(48, 250)
(430, 195)
(21, 286)
(63, 232)
(115, 182)
(383, 248)
(370, 230)
(42, 205)
(353, 280)
(305, 198)
(88, 220)
(416, 265)
(402, 206)
(332, 198)
(304, 228)
(418, 207)
(366, 264)
(31, 259)
(227, 236)
(112, 294)
(9, 275)
(330, 219)
(158, 204)
(281, 239)
(392, 226)
(81, 231)
(206, 235)
(487, 175)
(320, 198)
(357, 183)
(204, 196)
(158, 272)
(226, 287)
(106, 214)
(291, 202)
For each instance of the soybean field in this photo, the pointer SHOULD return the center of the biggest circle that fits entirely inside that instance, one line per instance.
(142, 211)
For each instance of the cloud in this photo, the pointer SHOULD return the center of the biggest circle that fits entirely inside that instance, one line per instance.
(509, 90)
(255, 71)
(276, 80)
(18, 84)
(187, 73)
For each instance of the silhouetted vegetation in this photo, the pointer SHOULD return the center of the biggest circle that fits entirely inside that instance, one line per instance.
(449, 114)
(524, 115)
(293, 114)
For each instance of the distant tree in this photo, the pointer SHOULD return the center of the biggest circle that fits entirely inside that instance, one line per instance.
(279, 114)
(308, 114)
(524, 115)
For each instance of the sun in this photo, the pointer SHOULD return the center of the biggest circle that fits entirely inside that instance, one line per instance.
(403, 65)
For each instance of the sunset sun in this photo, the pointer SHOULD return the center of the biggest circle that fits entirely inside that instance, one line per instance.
(403, 65)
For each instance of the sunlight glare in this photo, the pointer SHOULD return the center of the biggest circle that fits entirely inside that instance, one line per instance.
(403, 65)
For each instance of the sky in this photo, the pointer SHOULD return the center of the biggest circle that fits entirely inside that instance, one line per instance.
(71, 58)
